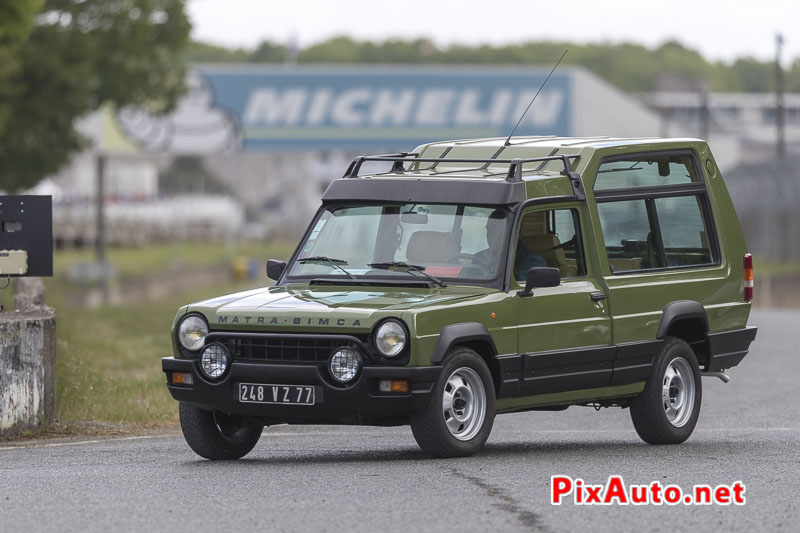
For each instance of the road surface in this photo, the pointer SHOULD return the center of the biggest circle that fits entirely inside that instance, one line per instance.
(375, 479)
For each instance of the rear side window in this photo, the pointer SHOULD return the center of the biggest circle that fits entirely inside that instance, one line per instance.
(630, 241)
(654, 213)
(683, 231)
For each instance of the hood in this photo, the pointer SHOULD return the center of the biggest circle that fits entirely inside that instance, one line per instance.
(303, 305)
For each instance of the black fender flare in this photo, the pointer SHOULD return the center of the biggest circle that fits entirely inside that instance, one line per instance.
(453, 334)
(680, 310)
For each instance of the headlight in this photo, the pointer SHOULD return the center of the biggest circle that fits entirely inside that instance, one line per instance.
(192, 332)
(344, 364)
(390, 338)
(214, 361)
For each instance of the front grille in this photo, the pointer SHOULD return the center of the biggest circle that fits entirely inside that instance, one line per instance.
(282, 349)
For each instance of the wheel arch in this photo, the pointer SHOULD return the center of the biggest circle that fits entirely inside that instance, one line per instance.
(473, 335)
(688, 321)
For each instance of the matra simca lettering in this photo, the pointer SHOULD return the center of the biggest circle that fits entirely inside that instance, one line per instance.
(292, 321)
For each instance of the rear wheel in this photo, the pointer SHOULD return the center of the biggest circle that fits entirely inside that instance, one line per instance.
(218, 436)
(459, 417)
(666, 412)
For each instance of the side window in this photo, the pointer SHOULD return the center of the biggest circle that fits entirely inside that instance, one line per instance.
(549, 238)
(630, 241)
(651, 233)
(683, 231)
(654, 212)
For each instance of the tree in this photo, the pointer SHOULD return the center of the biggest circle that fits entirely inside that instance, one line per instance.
(16, 21)
(629, 66)
(754, 75)
(200, 52)
(268, 52)
(79, 56)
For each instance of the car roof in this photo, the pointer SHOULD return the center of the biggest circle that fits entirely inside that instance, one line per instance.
(526, 167)
(540, 146)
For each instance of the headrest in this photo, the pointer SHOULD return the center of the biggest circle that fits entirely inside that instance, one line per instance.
(534, 224)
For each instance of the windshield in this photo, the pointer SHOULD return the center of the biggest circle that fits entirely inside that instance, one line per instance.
(445, 241)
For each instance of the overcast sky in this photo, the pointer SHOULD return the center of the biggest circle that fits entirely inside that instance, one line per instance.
(719, 29)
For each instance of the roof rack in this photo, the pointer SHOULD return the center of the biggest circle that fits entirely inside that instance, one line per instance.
(514, 165)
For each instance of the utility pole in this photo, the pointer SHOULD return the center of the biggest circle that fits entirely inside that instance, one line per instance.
(100, 234)
(780, 147)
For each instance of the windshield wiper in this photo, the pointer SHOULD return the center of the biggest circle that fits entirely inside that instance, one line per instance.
(335, 263)
(387, 265)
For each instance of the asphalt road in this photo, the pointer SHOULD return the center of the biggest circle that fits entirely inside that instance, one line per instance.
(373, 479)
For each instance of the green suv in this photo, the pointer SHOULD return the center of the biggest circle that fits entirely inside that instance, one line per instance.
(469, 278)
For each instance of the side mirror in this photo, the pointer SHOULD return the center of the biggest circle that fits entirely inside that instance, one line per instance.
(275, 269)
(540, 277)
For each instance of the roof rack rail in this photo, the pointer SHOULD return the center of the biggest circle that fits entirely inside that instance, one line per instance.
(514, 165)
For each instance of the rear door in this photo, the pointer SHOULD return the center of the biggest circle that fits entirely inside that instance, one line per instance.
(658, 246)
(564, 332)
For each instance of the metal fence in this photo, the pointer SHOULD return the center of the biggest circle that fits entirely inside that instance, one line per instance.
(767, 200)
(198, 218)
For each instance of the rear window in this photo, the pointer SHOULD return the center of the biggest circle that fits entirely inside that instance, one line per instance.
(646, 171)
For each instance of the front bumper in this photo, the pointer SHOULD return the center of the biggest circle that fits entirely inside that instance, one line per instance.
(361, 402)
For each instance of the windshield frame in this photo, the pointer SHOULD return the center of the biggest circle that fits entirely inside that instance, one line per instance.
(497, 282)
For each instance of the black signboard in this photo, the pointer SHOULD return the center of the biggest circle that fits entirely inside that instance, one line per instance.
(26, 224)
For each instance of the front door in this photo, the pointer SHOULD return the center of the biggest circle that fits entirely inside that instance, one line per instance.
(564, 332)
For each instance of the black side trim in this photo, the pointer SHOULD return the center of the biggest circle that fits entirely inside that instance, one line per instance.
(510, 367)
(451, 191)
(728, 348)
(634, 362)
(564, 370)
(454, 333)
(679, 310)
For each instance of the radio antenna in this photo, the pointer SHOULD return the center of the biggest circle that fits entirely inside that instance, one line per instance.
(508, 141)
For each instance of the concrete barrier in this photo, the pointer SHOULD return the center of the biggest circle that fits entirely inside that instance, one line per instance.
(27, 362)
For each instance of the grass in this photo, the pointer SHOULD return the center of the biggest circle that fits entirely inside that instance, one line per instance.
(108, 359)
(136, 262)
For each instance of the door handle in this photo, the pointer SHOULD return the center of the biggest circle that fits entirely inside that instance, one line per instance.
(597, 296)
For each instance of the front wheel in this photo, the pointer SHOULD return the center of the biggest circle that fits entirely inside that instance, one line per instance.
(460, 414)
(666, 412)
(218, 436)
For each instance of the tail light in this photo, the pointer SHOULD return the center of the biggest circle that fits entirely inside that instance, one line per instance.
(748, 278)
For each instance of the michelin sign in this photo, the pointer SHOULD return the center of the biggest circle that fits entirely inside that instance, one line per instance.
(352, 108)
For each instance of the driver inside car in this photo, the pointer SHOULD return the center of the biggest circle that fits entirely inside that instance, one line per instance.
(524, 258)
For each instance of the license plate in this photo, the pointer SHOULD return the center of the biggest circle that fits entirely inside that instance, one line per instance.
(283, 394)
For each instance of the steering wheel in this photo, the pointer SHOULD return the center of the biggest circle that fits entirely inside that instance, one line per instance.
(473, 259)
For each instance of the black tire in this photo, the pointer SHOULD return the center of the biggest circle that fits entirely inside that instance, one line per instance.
(217, 436)
(649, 410)
(430, 429)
